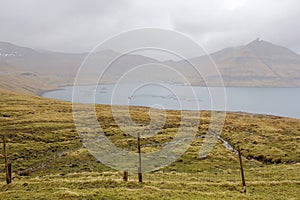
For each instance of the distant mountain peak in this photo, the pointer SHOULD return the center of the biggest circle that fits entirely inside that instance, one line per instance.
(259, 42)
(264, 48)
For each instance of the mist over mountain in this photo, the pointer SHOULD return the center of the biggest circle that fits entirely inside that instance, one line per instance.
(258, 59)
(27, 59)
(259, 63)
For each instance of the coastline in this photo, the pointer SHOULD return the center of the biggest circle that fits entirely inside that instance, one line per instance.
(56, 88)
(238, 108)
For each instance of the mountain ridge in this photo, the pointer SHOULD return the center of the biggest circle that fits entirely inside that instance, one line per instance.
(256, 64)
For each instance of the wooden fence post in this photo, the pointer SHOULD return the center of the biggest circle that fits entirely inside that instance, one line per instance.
(7, 166)
(9, 173)
(125, 176)
(242, 170)
(140, 160)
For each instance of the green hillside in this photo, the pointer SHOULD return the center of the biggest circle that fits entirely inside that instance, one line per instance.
(49, 161)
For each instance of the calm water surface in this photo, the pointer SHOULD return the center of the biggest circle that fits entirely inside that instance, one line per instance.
(274, 101)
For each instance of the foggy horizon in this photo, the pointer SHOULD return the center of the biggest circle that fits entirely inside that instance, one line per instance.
(57, 26)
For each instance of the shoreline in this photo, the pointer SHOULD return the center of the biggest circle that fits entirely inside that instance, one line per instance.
(247, 110)
(56, 88)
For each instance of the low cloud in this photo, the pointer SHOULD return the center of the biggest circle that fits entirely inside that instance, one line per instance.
(77, 26)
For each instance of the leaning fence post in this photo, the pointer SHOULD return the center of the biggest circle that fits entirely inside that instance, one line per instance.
(242, 170)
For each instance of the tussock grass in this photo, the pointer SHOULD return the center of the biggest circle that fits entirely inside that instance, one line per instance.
(43, 142)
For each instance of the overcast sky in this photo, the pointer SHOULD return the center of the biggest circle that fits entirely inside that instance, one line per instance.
(79, 25)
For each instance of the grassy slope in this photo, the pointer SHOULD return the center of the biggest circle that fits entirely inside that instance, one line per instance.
(43, 143)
